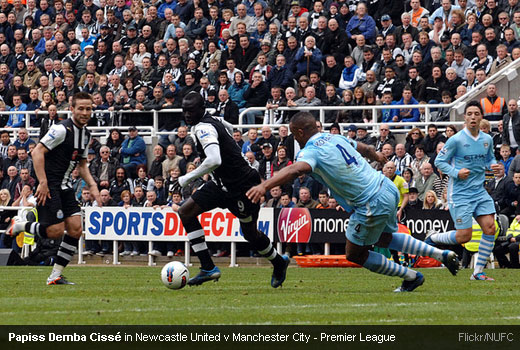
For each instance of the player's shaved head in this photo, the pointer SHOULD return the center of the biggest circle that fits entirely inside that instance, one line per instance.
(193, 108)
(305, 121)
(303, 126)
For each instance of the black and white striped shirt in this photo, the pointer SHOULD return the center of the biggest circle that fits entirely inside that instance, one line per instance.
(67, 145)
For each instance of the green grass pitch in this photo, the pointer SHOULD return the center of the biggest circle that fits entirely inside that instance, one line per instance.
(135, 295)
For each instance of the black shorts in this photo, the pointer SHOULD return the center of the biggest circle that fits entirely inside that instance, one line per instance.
(210, 196)
(61, 205)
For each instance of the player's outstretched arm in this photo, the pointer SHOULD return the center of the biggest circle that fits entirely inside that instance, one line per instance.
(212, 161)
(369, 152)
(287, 174)
(38, 157)
(84, 172)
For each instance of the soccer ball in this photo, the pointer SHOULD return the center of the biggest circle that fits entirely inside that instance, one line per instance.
(175, 275)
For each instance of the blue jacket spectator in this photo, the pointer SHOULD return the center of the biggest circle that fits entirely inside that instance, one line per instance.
(44, 9)
(9, 31)
(406, 115)
(362, 23)
(466, 32)
(167, 4)
(196, 27)
(387, 114)
(17, 120)
(185, 10)
(280, 75)
(350, 76)
(133, 151)
(40, 47)
(308, 58)
(250, 6)
(237, 90)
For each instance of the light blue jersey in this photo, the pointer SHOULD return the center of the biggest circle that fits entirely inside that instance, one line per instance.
(354, 184)
(462, 150)
(338, 165)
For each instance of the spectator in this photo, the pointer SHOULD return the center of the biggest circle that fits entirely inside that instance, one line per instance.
(120, 183)
(424, 181)
(17, 120)
(401, 159)
(11, 180)
(103, 168)
(431, 201)
(250, 156)
(267, 161)
(350, 75)
(323, 199)
(5, 142)
(509, 245)
(274, 201)
(483, 60)
(172, 160)
(280, 75)
(363, 136)
(256, 96)
(389, 84)
(188, 156)
(494, 106)
(24, 162)
(267, 137)
(182, 139)
(371, 83)
(419, 159)
(237, 90)
(276, 100)
(308, 58)
(363, 24)
(505, 157)
(282, 159)
(511, 128)
(10, 159)
(156, 166)
(389, 170)
(133, 151)
(502, 60)
(406, 115)
(226, 108)
(435, 85)
(460, 64)
(417, 12)
(431, 140)
(512, 195)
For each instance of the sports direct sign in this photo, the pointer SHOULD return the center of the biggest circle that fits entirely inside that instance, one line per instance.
(148, 224)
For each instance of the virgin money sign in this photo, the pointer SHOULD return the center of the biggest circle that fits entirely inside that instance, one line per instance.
(294, 225)
(302, 225)
(148, 224)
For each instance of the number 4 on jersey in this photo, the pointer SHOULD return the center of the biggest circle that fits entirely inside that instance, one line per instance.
(348, 158)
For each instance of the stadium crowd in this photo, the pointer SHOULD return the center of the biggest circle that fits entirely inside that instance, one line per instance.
(140, 56)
